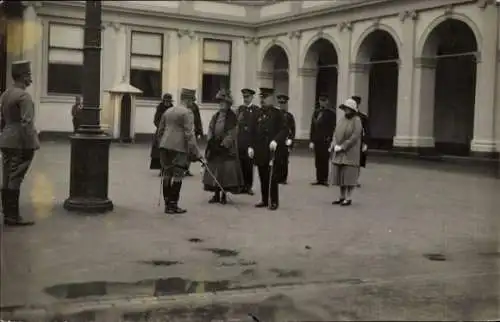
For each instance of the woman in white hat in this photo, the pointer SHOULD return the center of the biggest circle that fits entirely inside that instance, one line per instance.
(346, 148)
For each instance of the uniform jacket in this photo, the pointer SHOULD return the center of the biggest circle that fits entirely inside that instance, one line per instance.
(269, 126)
(290, 124)
(246, 117)
(176, 131)
(198, 126)
(323, 125)
(17, 120)
(348, 135)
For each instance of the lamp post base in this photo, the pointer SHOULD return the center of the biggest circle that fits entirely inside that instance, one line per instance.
(89, 174)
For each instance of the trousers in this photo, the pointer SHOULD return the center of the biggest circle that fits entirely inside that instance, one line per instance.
(321, 159)
(246, 165)
(16, 163)
(264, 173)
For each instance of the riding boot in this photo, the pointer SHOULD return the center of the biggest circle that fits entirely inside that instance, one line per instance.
(167, 188)
(4, 199)
(173, 207)
(215, 198)
(223, 198)
(13, 217)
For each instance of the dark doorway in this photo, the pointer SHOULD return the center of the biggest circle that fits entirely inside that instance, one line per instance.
(3, 50)
(455, 87)
(382, 89)
(327, 60)
(126, 119)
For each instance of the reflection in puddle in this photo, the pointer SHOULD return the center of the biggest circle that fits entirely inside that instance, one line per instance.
(221, 252)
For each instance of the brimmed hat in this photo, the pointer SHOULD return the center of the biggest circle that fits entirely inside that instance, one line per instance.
(349, 104)
(266, 91)
(247, 91)
(283, 97)
(188, 93)
(357, 99)
(19, 68)
(224, 95)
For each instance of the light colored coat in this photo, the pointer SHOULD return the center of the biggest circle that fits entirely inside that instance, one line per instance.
(18, 114)
(176, 131)
(348, 135)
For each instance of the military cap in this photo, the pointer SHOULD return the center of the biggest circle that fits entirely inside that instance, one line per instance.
(188, 93)
(357, 99)
(224, 95)
(247, 91)
(283, 97)
(167, 97)
(21, 67)
(266, 91)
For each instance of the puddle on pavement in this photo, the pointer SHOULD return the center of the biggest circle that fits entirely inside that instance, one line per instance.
(352, 281)
(241, 262)
(435, 257)
(195, 240)
(490, 254)
(160, 263)
(284, 273)
(221, 252)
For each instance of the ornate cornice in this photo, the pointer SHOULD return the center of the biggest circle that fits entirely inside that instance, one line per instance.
(308, 72)
(425, 62)
(251, 40)
(346, 25)
(413, 15)
(376, 23)
(264, 75)
(115, 25)
(186, 32)
(359, 67)
(448, 10)
(296, 34)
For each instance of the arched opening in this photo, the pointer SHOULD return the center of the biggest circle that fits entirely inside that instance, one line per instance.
(376, 81)
(321, 60)
(275, 66)
(452, 46)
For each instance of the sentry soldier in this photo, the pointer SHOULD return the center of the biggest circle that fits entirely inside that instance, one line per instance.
(246, 117)
(283, 154)
(18, 140)
(268, 131)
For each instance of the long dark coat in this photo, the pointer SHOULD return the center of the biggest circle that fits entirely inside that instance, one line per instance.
(222, 156)
(364, 139)
(246, 119)
(155, 151)
(283, 151)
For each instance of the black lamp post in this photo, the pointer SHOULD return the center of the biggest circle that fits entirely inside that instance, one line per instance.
(88, 191)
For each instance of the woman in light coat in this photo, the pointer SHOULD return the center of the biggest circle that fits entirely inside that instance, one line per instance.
(346, 148)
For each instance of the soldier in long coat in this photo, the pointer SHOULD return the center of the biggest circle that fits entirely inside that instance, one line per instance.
(365, 137)
(198, 125)
(246, 117)
(18, 140)
(178, 148)
(283, 152)
(223, 165)
(165, 104)
(323, 124)
(268, 131)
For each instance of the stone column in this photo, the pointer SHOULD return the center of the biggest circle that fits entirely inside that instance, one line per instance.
(422, 116)
(251, 63)
(172, 62)
(484, 112)
(188, 60)
(238, 68)
(344, 75)
(32, 35)
(15, 35)
(295, 105)
(360, 83)
(307, 82)
(403, 136)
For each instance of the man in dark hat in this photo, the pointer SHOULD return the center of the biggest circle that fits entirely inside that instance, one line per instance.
(267, 133)
(246, 117)
(18, 140)
(323, 124)
(195, 109)
(365, 137)
(165, 104)
(178, 148)
(283, 153)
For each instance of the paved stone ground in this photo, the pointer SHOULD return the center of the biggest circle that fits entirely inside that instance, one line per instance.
(369, 261)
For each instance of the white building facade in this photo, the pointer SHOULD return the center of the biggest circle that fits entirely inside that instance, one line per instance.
(428, 71)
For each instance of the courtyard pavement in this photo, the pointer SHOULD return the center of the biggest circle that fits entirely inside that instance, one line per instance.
(420, 242)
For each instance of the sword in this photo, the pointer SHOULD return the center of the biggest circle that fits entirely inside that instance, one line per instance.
(210, 173)
(271, 172)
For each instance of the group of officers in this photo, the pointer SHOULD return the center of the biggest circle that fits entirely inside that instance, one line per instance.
(265, 137)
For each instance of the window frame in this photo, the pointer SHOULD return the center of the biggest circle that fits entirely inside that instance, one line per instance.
(68, 49)
(161, 56)
(212, 61)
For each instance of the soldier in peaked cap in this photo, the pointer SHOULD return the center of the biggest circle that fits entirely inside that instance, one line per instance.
(246, 118)
(178, 148)
(164, 105)
(323, 122)
(18, 140)
(268, 131)
(283, 152)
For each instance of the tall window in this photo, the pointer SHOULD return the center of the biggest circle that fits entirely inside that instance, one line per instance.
(146, 58)
(65, 66)
(216, 68)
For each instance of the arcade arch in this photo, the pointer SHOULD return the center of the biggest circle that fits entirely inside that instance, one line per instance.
(376, 74)
(449, 85)
(276, 65)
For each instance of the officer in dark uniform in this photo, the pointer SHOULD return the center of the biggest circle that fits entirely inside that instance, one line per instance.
(323, 124)
(283, 153)
(268, 132)
(18, 140)
(246, 117)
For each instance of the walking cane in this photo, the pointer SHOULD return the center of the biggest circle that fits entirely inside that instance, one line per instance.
(162, 178)
(330, 164)
(217, 183)
(271, 172)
